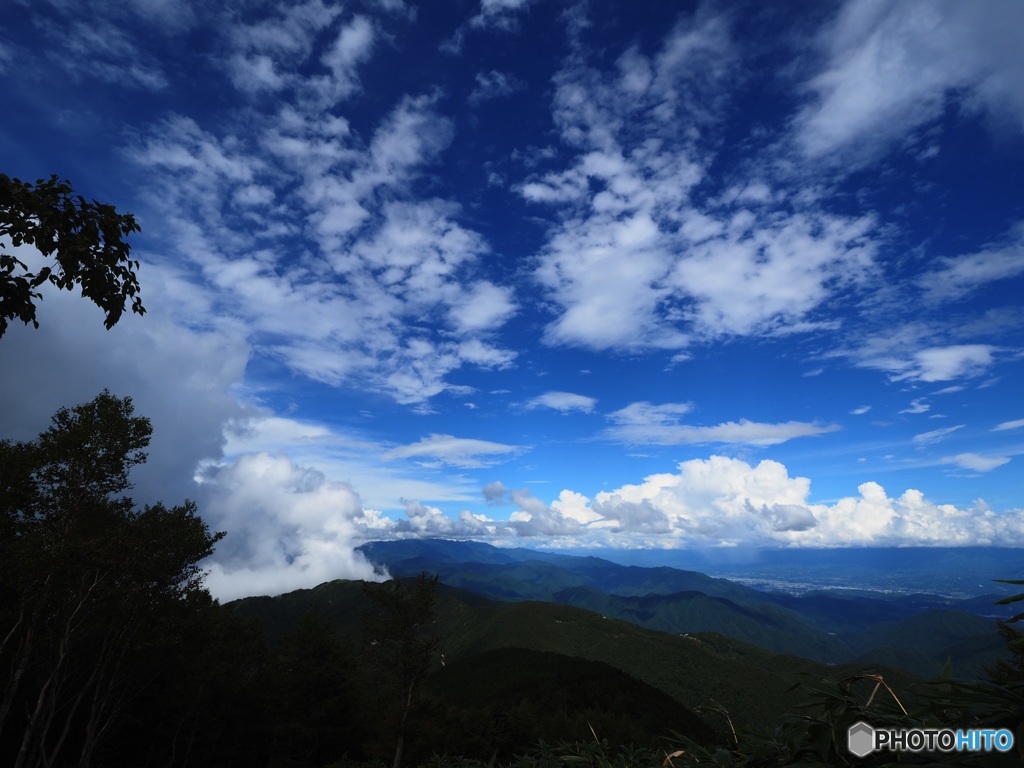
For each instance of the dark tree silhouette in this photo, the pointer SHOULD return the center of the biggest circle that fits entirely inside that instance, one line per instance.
(85, 240)
(88, 584)
(401, 640)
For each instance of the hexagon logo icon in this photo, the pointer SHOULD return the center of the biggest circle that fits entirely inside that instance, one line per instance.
(860, 739)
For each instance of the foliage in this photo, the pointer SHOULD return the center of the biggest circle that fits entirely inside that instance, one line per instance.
(402, 643)
(86, 241)
(93, 590)
(497, 701)
(311, 688)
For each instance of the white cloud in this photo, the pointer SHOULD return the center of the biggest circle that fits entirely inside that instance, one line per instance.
(457, 451)
(888, 71)
(860, 411)
(494, 491)
(742, 432)
(934, 436)
(357, 300)
(485, 306)
(1016, 424)
(947, 363)
(288, 527)
(563, 401)
(912, 352)
(723, 501)
(958, 276)
(634, 262)
(575, 506)
(97, 47)
(499, 14)
(255, 73)
(351, 47)
(494, 85)
(345, 456)
(178, 377)
(269, 53)
(535, 518)
(644, 414)
(976, 463)
(917, 405)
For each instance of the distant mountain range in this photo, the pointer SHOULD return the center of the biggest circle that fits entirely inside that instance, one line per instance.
(697, 639)
(917, 632)
(958, 572)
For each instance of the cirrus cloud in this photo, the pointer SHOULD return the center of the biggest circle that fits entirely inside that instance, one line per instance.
(456, 451)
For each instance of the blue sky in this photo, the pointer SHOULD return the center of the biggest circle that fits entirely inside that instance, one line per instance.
(554, 274)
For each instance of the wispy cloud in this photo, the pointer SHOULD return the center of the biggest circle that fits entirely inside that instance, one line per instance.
(499, 14)
(351, 307)
(742, 432)
(935, 435)
(494, 85)
(958, 276)
(886, 74)
(461, 452)
(636, 262)
(563, 401)
(976, 463)
(910, 353)
(948, 363)
(645, 414)
(917, 405)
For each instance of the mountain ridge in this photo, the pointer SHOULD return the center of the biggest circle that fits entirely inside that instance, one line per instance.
(822, 625)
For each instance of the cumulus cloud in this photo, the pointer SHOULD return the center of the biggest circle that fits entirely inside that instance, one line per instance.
(494, 491)
(165, 367)
(723, 501)
(789, 517)
(717, 501)
(484, 306)
(535, 518)
(289, 527)
(563, 401)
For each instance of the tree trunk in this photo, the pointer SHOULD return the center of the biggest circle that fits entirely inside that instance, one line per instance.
(406, 706)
